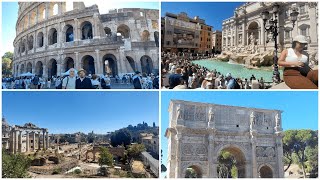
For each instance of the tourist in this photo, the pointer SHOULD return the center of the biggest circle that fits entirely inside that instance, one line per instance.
(106, 82)
(297, 73)
(207, 82)
(137, 80)
(95, 82)
(69, 82)
(231, 83)
(83, 82)
(174, 79)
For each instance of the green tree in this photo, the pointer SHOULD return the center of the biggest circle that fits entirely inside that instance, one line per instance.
(227, 165)
(106, 158)
(135, 150)
(120, 137)
(8, 55)
(6, 67)
(295, 144)
(14, 165)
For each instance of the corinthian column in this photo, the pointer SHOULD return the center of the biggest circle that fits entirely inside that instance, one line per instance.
(178, 157)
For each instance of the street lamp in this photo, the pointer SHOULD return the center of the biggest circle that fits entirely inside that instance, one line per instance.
(271, 26)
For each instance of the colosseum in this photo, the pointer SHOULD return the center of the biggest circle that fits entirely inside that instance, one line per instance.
(52, 37)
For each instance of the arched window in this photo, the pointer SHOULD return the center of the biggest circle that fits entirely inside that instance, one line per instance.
(86, 30)
(53, 36)
(55, 9)
(69, 33)
(40, 39)
(30, 42)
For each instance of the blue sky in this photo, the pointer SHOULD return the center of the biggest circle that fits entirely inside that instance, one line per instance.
(10, 16)
(300, 109)
(69, 112)
(212, 12)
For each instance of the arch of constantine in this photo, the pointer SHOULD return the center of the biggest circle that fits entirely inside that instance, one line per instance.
(53, 37)
(199, 132)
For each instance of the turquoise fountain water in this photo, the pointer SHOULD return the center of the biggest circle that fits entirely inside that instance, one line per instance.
(237, 70)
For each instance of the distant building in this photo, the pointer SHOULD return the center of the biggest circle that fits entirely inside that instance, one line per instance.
(150, 141)
(181, 33)
(216, 41)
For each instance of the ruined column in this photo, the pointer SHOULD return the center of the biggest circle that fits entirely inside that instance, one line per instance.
(77, 61)
(47, 139)
(99, 69)
(15, 141)
(39, 144)
(76, 30)
(34, 141)
(44, 139)
(45, 69)
(27, 141)
(20, 142)
(11, 147)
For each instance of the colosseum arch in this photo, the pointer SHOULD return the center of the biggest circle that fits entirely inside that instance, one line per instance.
(199, 132)
(238, 154)
(39, 68)
(156, 38)
(69, 33)
(30, 42)
(124, 30)
(86, 30)
(40, 39)
(146, 64)
(33, 16)
(131, 63)
(145, 35)
(88, 64)
(29, 67)
(23, 45)
(52, 68)
(193, 171)
(107, 31)
(110, 64)
(265, 171)
(52, 36)
(53, 9)
(42, 12)
(21, 68)
(69, 63)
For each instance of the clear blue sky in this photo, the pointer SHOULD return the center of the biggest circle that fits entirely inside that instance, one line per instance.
(10, 16)
(212, 12)
(69, 112)
(300, 109)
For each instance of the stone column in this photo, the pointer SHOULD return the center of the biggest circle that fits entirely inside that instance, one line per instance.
(11, 142)
(178, 158)
(236, 35)
(39, 138)
(76, 30)
(313, 26)
(47, 139)
(15, 141)
(244, 33)
(29, 24)
(47, 10)
(279, 153)
(254, 159)
(45, 70)
(263, 36)
(44, 140)
(77, 61)
(27, 142)
(211, 157)
(95, 30)
(20, 142)
(99, 69)
(34, 141)
(37, 15)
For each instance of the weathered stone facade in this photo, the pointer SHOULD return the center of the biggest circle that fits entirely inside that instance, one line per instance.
(198, 132)
(51, 39)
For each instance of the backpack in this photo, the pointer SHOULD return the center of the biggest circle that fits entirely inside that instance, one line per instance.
(60, 85)
(136, 83)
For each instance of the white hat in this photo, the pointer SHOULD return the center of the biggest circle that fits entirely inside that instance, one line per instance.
(209, 76)
(228, 75)
(300, 39)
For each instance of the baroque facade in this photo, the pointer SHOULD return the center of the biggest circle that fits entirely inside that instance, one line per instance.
(245, 29)
(24, 139)
(52, 37)
(199, 132)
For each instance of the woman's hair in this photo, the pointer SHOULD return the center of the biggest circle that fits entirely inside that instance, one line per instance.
(294, 44)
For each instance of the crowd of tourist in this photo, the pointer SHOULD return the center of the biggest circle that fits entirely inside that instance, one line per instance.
(80, 80)
(178, 72)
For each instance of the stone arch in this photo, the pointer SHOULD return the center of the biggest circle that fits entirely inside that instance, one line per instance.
(42, 12)
(145, 35)
(33, 15)
(69, 33)
(21, 68)
(193, 171)
(124, 30)
(54, 9)
(30, 42)
(107, 31)
(88, 64)
(131, 63)
(52, 68)
(265, 171)
(110, 64)
(146, 64)
(52, 36)
(69, 63)
(253, 28)
(40, 39)
(29, 67)
(23, 45)
(86, 30)
(239, 155)
(39, 68)
(156, 38)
